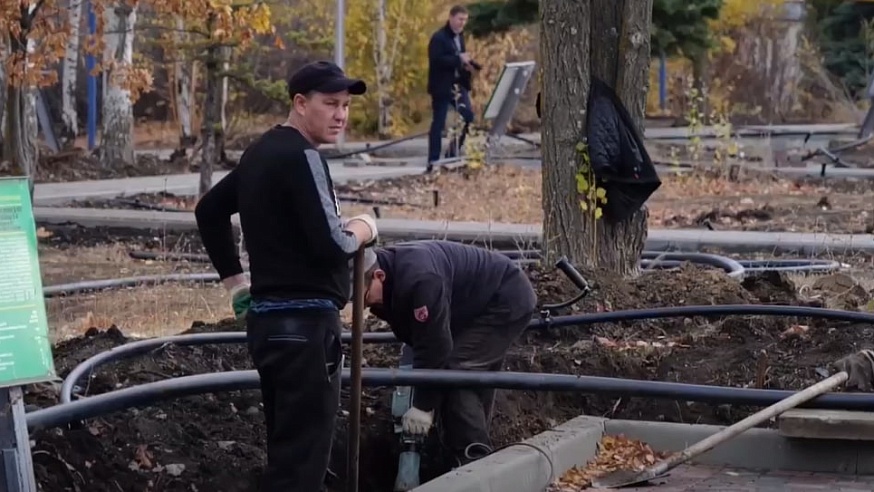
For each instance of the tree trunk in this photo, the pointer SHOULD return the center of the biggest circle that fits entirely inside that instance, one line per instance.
(4, 52)
(611, 40)
(212, 126)
(383, 71)
(182, 70)
(116, 140)
(21, 130)
(69, 116)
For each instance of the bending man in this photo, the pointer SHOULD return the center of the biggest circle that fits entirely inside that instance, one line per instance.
(299, 253)
(458, 307)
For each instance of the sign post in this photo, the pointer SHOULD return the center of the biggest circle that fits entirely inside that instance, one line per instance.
(25, 350)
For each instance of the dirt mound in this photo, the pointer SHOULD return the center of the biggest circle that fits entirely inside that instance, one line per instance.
(215, 441)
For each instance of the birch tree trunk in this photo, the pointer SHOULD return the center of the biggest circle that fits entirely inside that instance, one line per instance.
(609, 39)
(383, 68)
(21, 129)
(69, 115)
(116, 141)
(182, 68)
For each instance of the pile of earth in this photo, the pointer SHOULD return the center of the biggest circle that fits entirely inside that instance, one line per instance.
(215, 441)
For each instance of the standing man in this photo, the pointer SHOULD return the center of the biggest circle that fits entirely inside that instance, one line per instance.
(449, 81)
(458, 307)
(299, 252)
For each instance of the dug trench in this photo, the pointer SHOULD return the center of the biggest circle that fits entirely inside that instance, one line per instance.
(215, 441)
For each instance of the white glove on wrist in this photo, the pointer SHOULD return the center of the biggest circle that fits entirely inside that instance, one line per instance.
(367, 219)
(237, 289)
(417, 422)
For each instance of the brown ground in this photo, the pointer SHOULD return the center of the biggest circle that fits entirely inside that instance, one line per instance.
(218, 438)
(511, 194)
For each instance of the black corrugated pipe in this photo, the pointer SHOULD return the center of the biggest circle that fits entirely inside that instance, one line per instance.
(529, 256)
(137, 348)
(731, 267)
(149, 393)
(90, 285)
(141, 347)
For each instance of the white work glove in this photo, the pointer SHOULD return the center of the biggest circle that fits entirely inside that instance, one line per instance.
(371, 224)
(416, 421)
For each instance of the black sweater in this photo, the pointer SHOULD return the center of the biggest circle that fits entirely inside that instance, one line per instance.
(290, 219)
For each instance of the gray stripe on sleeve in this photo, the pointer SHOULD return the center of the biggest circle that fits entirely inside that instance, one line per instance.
(331, 208)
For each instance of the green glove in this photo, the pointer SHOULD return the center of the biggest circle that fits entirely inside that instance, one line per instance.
(240, 301)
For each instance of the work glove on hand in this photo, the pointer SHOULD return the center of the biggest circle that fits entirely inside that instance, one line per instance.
(417, 421)
(860, 370)
(240, 300)
(371, 224)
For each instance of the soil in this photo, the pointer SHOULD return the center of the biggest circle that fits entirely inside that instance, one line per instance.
(760, 203)
(218, 438)
(77, 165)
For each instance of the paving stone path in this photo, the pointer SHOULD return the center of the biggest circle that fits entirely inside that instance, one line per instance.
(717, 479)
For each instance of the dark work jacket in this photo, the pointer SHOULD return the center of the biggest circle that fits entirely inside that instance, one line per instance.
(443, 62)
(436, 289)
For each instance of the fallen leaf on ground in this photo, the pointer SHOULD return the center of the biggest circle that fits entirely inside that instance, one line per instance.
(614, 453)
(795, 331)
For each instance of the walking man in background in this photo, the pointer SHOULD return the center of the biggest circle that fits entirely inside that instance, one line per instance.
(449, 82)
(299, 254)
(458, 307)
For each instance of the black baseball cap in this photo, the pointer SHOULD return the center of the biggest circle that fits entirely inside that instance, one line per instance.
(323, 76)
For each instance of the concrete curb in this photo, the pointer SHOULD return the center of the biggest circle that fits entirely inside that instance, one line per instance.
(521, 468)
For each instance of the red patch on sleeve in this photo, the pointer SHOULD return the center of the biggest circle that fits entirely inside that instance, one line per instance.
(421, 314)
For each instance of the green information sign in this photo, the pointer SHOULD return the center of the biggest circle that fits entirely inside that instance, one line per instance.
(25, 349)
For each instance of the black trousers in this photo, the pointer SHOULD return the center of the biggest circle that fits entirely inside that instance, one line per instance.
(466, 414)
(298, 356)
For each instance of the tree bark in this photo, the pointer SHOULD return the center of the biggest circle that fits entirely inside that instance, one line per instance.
(4, 52)
(116, 139)
(69, 115)
(212, 132)
(182, 76)
(20, 132)
(609, 39)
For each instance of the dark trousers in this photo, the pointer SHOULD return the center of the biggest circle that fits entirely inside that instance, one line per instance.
(298, 356)
(466, 413)
(440, 109)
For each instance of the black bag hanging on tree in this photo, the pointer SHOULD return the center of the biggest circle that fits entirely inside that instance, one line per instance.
(618, 157)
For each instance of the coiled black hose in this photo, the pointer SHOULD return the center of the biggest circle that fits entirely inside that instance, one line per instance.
(731, 267)
(149, 393)
(137, 348)
(141, 347)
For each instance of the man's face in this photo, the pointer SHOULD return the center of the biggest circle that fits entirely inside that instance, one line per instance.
(324, 115)
(457, 22)
(373, 295)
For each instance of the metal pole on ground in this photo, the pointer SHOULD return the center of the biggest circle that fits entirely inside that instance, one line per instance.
(353, 442)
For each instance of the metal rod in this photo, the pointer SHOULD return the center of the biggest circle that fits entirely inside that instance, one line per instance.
(353, 444)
